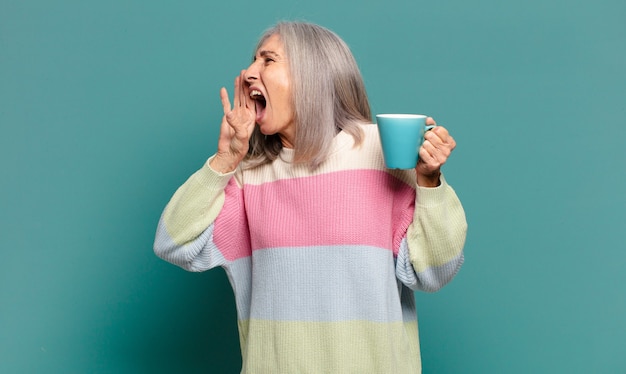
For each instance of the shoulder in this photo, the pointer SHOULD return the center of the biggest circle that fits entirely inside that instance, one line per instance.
(362, 134)
(363, 150)
(369, 128)
(371, 150)
(371, 136)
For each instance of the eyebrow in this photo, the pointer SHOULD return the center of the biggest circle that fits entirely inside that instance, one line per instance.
(265, 53)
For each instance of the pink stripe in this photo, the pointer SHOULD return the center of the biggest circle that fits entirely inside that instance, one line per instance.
(230, 233)
(365, 207)
(356, 207)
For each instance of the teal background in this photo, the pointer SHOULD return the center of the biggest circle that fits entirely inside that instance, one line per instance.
(107, 107)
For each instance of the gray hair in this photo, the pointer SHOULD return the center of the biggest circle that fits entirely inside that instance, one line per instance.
(328, 94)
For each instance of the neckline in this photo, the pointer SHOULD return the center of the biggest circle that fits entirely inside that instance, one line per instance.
(340, 141)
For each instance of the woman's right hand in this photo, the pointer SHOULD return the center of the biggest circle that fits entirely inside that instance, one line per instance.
(237, 126)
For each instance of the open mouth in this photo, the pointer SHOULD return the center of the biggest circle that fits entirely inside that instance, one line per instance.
(259, 102)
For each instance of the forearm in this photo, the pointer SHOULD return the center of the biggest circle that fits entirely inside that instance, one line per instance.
(437, 235)
(195, 205)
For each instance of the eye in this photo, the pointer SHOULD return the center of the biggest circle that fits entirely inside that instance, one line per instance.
(268, 60)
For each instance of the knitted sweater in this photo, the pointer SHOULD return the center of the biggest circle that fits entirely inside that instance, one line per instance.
(322, 263)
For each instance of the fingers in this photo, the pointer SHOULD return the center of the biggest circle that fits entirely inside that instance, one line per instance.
(440, 138)
(242, 97)
(240, 116)
(236, 127)
(436, 149)
(225, 100)
(237, 95)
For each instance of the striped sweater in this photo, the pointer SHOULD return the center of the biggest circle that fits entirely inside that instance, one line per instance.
(322, 263)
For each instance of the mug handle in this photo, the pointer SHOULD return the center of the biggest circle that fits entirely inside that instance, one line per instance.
(429, 127)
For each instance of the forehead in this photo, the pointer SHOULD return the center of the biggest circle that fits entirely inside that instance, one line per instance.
(273, 45)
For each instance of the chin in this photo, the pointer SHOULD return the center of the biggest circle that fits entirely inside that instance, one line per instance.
(265, 131)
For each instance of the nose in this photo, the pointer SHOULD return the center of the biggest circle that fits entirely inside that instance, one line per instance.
(252, 73)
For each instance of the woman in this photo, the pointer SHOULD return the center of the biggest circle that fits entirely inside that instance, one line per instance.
(323, 246)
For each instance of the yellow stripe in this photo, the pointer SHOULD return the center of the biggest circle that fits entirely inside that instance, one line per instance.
(329, 347)
(195, 205)
(437, 234)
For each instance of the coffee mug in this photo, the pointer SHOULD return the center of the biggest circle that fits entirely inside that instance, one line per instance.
(401, 136)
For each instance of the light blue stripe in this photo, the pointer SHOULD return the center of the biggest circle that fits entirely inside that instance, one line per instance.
(332, 283)
(197, 255)
(336, 283)
(429, 280)
(201, 254)
(239, 273)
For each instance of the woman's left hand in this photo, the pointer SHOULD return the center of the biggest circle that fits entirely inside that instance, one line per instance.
(437, 147)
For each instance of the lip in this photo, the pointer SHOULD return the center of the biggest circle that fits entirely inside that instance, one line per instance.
(257, 88)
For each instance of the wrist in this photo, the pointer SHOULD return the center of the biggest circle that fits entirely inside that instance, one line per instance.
(429, 180)
(223, 165)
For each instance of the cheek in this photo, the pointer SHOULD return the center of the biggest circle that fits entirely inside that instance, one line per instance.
(278, 85)
(286, 98)
(283, 88)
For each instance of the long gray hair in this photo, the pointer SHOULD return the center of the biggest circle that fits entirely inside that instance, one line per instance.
(328, 94)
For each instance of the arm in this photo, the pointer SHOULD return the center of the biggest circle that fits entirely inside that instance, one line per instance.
(184, 232)
(432, 252)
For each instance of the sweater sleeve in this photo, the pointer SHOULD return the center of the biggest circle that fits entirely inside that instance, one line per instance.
(431, 254)
(185, 229)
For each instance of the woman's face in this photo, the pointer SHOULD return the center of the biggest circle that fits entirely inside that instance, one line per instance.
(270, 87)
(269, 83)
